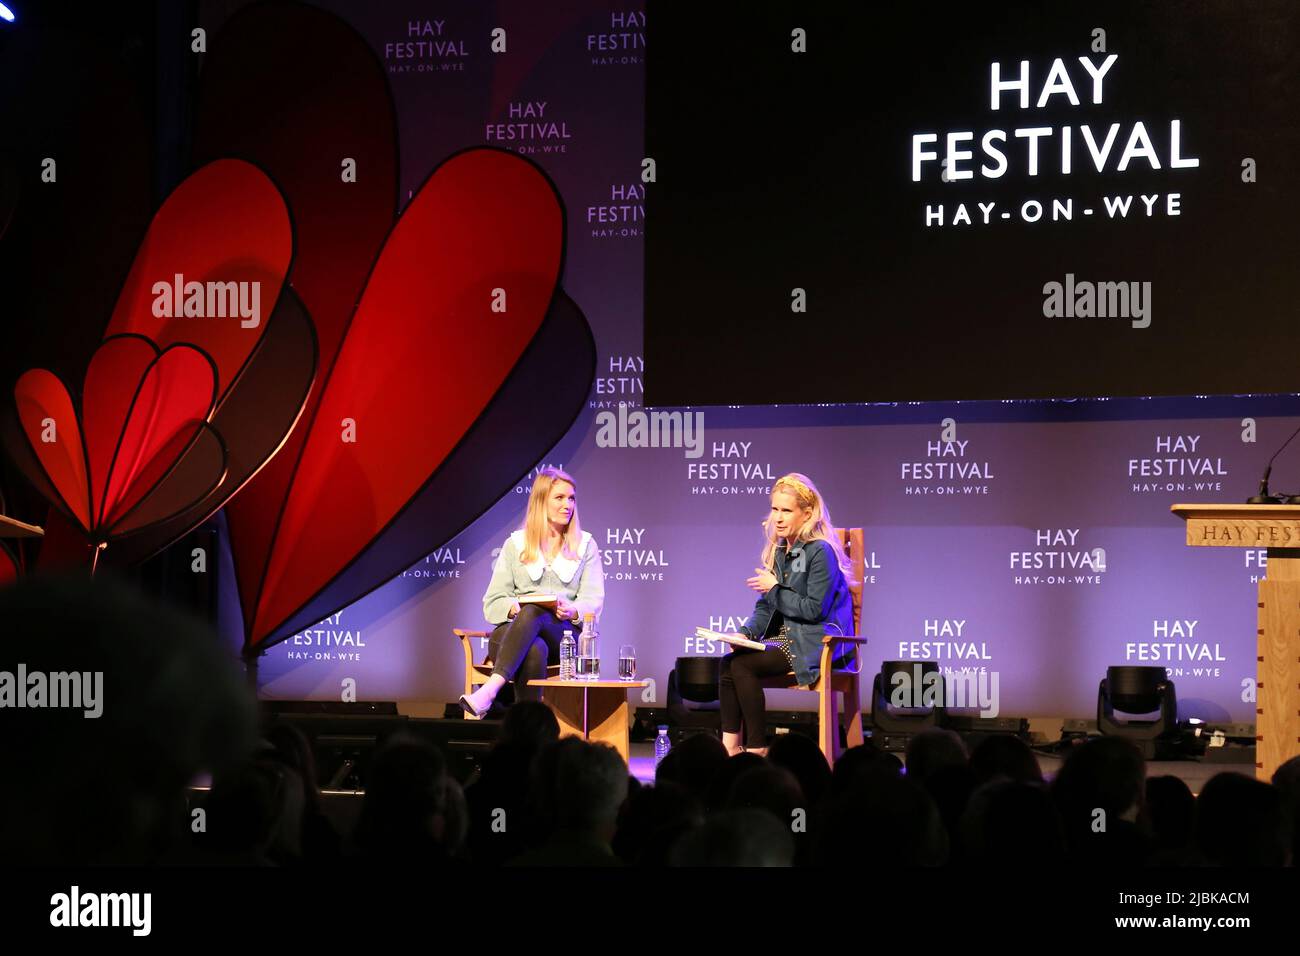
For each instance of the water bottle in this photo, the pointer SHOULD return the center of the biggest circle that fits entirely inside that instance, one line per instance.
(662, 745)
(588, 649)
(568, 656)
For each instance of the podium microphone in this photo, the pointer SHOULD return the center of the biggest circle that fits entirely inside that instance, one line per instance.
(1264, 498)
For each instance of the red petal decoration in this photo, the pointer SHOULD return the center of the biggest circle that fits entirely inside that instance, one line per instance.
(112, 379)
(485, 224)
(45, 410)
(176, 392)
(226, 223)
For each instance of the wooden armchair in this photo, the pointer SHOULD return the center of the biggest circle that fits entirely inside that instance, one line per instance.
(830, 680)
(477, 674)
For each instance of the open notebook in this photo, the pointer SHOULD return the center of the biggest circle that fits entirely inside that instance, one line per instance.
(735, 640)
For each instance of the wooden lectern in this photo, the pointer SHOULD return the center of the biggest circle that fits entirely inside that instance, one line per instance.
(1277, 674)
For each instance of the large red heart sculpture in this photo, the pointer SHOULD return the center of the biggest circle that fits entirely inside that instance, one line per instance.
(332, 101)
(458, 293)
(207, 282)
(326, 520)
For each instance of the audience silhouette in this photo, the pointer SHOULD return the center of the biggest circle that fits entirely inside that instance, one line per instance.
(121, 787)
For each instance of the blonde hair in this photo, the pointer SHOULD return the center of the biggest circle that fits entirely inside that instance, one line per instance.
(817, 527)
(535, 522)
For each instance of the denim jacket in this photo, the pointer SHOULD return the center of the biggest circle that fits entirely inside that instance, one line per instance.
(811, 597)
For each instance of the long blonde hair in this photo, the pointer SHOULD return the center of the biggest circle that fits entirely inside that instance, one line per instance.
(535, 522)
(818, 527)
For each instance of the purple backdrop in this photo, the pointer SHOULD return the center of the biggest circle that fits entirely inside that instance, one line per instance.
(1037, 542)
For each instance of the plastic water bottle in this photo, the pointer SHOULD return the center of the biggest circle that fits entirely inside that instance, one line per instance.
(662, 745)
(568, 657)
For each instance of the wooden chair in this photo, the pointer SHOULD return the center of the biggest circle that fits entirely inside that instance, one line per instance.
(477, 674)
(838, 680)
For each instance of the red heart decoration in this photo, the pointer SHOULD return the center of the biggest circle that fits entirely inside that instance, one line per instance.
(331, 100)
(226, 227)
(459, 291)
(225, 223)
(142, 411)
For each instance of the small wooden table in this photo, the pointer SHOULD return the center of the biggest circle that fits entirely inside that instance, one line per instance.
(596, 710)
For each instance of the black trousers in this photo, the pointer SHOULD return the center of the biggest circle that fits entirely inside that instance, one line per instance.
(741, 695)
(521, 648)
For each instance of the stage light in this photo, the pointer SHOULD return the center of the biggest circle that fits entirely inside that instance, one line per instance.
(1137, 691)
(692, 697)
(6, 14)
(697, 678)
(919, 684)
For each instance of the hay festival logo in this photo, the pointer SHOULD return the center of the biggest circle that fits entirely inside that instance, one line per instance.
(1032, 150)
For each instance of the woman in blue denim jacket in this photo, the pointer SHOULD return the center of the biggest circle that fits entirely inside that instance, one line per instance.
(803, 587)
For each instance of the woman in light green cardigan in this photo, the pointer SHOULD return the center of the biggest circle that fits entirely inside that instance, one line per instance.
(549, 555)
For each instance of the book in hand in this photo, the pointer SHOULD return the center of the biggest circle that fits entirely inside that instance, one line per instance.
(735, 640)
(541, 600)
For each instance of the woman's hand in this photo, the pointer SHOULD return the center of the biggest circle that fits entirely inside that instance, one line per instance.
(514, 610)
(564, 609)
(762, 581)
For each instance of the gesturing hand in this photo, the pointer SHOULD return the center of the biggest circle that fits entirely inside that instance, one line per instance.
(564, 610)
(762, 581)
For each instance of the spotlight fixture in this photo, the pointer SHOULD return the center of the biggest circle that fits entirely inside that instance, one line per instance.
(916, 683)
(1137, 691)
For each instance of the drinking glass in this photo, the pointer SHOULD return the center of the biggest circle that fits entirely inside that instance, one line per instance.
(627, 662)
